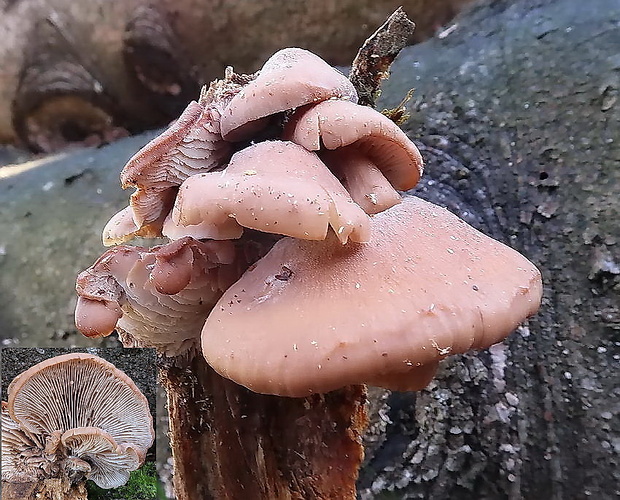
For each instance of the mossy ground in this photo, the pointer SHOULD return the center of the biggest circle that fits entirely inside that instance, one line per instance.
(142, 485)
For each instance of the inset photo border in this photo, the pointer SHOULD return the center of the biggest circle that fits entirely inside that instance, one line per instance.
(79, 423)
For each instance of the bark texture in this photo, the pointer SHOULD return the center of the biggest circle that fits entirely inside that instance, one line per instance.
(517, 116)
(230, 443)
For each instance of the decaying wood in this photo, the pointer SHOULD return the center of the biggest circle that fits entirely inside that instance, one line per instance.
(372, 63)
(231, 443)
(50, 489)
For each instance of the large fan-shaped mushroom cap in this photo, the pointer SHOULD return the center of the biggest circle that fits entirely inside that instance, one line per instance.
(81, 390)
(324, 315)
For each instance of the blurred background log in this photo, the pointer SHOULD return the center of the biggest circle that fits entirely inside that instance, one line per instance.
(85, 73)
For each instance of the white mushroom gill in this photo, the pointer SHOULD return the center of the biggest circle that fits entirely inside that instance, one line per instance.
(75, 413)
(23, 457)
(110, 463)
(80, 390)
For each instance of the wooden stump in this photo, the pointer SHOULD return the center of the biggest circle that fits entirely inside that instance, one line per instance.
(228, 442)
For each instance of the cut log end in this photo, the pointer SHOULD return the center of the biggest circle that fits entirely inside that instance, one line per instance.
(64, 121)
(59, 101)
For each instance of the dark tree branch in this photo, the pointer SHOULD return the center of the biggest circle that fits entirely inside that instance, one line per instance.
(372, 63)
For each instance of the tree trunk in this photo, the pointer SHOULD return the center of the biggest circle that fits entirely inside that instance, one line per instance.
(516, 113)
(230, 443)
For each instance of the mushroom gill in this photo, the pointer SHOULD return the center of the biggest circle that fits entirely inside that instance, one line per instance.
(109, 463)
(78, 415)
(191, 145)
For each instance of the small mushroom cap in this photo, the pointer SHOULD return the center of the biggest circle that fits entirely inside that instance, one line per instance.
(273, 186)
(122, 227)
(110, 463)
(365, 183)
(289, 79)
(325, 315)
(164, 294)
(96, 318)
(81, 390)
(336, 123)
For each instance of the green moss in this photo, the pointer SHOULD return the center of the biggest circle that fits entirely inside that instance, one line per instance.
(143, 484)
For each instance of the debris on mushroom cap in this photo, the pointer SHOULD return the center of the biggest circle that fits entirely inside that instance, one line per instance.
(22, 452)
(81, 390)
(272, 186)
(325, 315)
(164, 294)
(110, 464)
(289, 79)
(365, 183)
(337, 123)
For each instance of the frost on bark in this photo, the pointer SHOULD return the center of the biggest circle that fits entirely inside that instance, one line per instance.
(516, 113)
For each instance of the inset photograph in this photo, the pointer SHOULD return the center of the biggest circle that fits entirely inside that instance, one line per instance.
(78, 424)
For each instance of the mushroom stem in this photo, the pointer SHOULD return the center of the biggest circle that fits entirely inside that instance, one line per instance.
(228, 442)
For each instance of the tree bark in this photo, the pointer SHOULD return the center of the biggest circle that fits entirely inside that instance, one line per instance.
(516, 114)
(230, 443)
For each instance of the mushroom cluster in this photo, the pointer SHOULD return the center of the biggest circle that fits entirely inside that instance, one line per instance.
(75, 415)
(393, 287)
